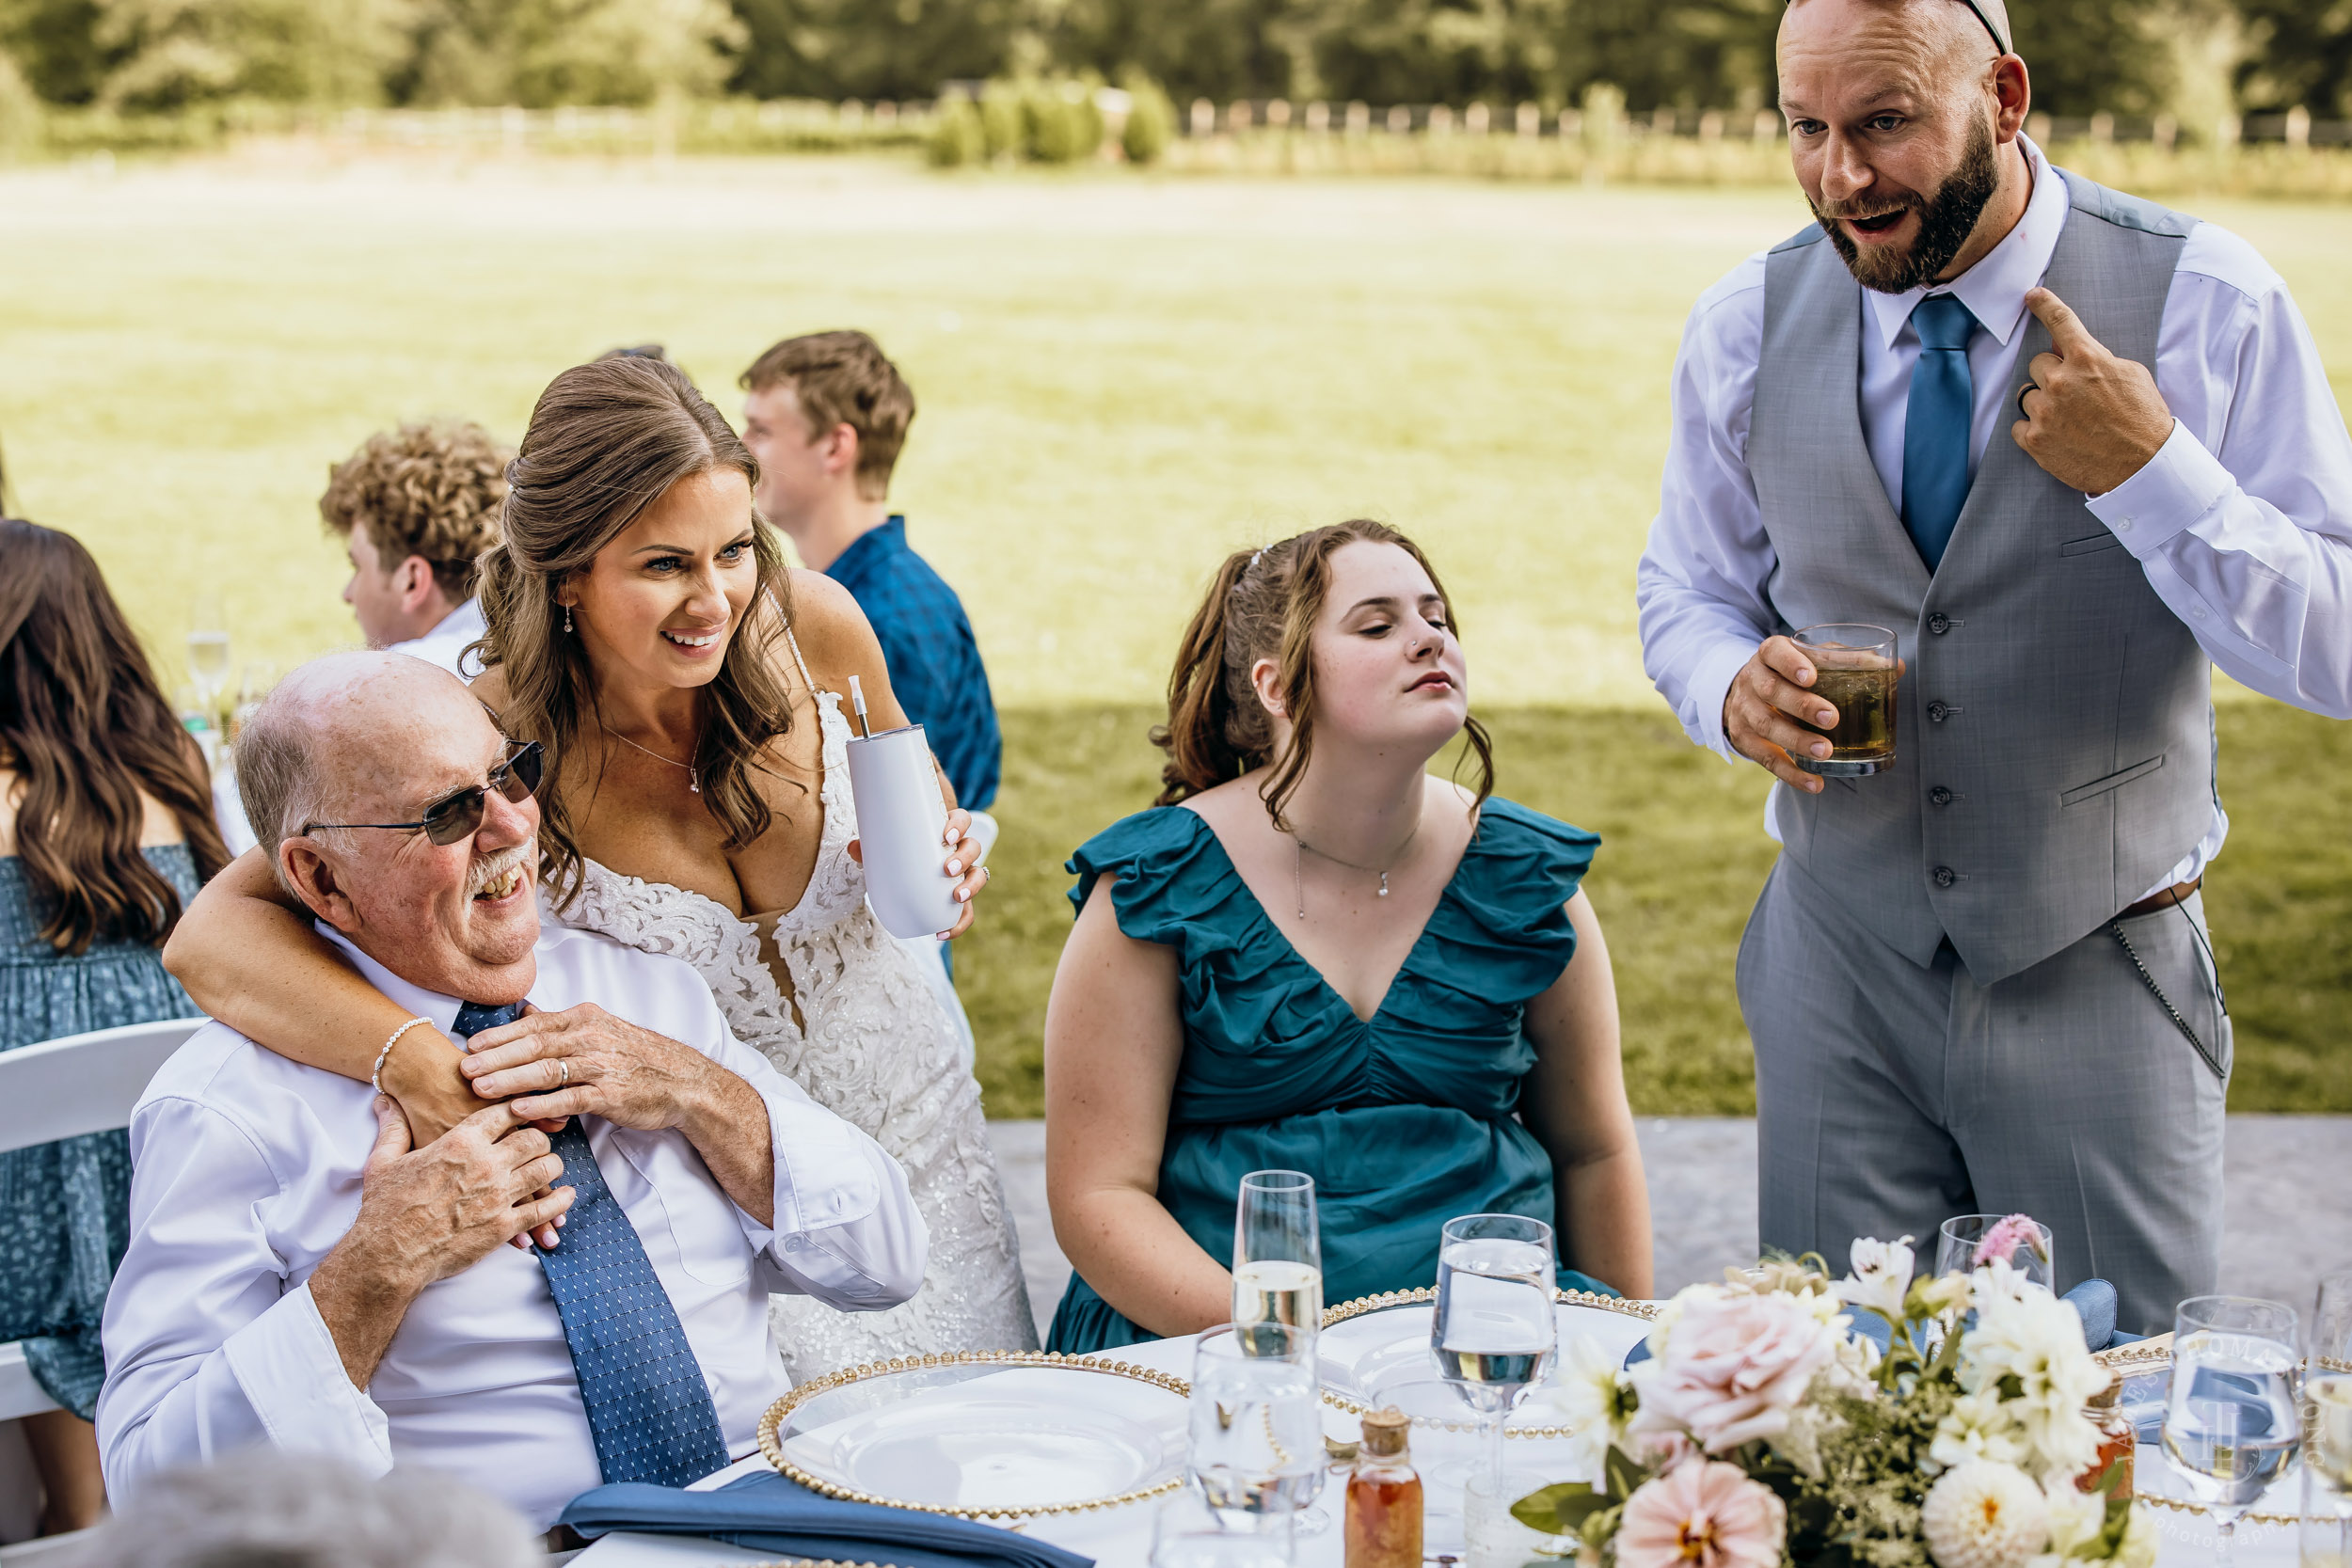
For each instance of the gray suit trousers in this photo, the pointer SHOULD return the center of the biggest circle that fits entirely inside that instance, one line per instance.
(1890, 1097)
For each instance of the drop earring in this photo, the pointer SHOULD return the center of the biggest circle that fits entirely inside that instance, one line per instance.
(568, 619)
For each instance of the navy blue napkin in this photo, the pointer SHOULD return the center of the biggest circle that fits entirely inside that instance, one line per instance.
(2093, 1301)
(771, 1513)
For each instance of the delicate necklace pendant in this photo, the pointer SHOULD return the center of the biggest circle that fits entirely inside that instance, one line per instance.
(695, 786)
(1384, 884)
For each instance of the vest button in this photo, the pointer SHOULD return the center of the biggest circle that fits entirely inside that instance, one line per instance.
(1939, 623)
(1940, 794)
(1938, 712)
(1946, 876)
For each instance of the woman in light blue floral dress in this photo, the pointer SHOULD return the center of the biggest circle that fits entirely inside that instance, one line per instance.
(106, 831)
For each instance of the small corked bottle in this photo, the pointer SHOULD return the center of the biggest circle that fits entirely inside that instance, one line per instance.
(1384, 1496)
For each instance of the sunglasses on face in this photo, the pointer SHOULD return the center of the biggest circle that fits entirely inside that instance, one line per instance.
(456, 816)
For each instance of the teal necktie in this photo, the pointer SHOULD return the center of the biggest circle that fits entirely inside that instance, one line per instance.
(1935, 427)
(648, 1408)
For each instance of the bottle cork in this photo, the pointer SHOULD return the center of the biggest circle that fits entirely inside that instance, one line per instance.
(1386, 1432)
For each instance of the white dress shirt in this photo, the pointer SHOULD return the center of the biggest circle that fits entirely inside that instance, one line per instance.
(2242, 521)
(445, 643)
(247, 1172)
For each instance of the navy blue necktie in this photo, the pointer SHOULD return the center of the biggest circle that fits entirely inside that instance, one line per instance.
(1936, 425)
(648, 1407)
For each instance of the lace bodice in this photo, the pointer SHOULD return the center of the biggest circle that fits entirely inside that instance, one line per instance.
(870, 1043)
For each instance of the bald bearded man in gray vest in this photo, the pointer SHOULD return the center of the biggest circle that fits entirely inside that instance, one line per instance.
(2074, 451)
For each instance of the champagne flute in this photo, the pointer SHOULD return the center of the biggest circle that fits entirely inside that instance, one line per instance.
(1277, 1272)
(1961, 1246)
(2328, 1431)
(208, 651)
(2231, 1426)
(1256, 1449)
(1493, 1332)
(1277, 1252)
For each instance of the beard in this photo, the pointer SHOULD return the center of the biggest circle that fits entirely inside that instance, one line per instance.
(1946, 221)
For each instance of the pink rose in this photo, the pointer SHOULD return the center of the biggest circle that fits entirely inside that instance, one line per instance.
(1732, 1369)
(1701, 1514)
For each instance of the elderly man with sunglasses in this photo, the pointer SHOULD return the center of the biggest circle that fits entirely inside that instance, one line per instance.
(570, 1287)
(2073, 451)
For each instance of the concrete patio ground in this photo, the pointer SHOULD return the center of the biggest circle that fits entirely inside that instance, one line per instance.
(2288, 1179)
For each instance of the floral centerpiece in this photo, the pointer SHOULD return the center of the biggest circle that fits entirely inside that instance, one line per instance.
(1761, 1433)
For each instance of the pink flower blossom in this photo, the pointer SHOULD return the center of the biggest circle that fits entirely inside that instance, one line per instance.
(1732, 1368)
(1701, 1514)
(2007, 1235)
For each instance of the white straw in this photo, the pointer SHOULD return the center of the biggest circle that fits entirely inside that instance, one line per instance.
(857, 704)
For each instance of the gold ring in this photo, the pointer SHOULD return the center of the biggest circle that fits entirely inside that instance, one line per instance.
(566, 1068)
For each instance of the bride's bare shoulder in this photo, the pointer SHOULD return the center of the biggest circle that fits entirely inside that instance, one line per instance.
(832, 631)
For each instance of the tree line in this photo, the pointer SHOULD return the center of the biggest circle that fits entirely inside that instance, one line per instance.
(2195, 60)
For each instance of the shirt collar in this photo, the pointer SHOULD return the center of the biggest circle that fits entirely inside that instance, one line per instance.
(887, 537)
(1995, 289)
(438, 1010)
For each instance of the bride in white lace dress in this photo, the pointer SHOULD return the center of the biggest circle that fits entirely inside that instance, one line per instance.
(864, 1034)
(644, 629)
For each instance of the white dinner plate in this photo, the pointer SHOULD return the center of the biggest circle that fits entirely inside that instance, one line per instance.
(997, 1439)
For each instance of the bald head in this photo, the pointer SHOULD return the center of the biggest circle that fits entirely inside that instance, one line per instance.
(339, 769)
(334, 731)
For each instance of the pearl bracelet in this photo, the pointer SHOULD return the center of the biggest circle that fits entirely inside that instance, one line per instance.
(376, 1078)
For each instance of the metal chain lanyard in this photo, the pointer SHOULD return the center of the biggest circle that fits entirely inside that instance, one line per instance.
(2116, 929)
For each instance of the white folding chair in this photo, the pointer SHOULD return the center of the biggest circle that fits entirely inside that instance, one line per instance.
(63, 1088)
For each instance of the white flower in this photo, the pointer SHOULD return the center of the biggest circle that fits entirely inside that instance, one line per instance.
(1855, 1369)
(1979, 1426)
(2036, 1339)
(1943, 1296)
(1984, 1515)
(2076, 1516)
(1881, 1277)
(1588, 1398)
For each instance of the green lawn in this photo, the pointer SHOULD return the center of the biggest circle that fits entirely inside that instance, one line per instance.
(1683, 853)
(1121, 376)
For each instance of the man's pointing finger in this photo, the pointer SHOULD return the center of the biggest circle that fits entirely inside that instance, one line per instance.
(2068, 335)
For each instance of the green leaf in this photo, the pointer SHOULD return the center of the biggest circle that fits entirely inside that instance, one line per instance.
(1560, 1509)
(1621, 1473)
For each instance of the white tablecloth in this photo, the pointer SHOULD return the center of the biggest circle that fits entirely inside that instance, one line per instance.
(1121, 1538)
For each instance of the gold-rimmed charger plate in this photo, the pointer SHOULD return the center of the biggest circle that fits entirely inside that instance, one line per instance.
(1371, 1368)
(993, 1435)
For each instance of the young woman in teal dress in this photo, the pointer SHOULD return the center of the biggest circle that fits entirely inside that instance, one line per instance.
(1312, 955)
(106, 830)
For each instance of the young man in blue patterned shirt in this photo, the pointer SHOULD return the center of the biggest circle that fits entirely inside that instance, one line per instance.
(826, 415)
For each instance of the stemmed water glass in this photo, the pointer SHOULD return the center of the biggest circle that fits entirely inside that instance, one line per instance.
(1277, 1272)
(1256, 1450)
(207, 653)
(1493, 1332)
(2231, 1426)
(2326, 1526)
(1188, 1533)
(1961, 1242)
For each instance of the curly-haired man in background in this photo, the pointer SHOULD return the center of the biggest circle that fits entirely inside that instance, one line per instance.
(415, 507)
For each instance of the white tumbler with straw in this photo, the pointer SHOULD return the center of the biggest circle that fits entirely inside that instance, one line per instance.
(901, 827)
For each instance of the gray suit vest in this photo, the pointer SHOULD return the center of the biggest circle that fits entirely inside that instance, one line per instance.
(2054, 731)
